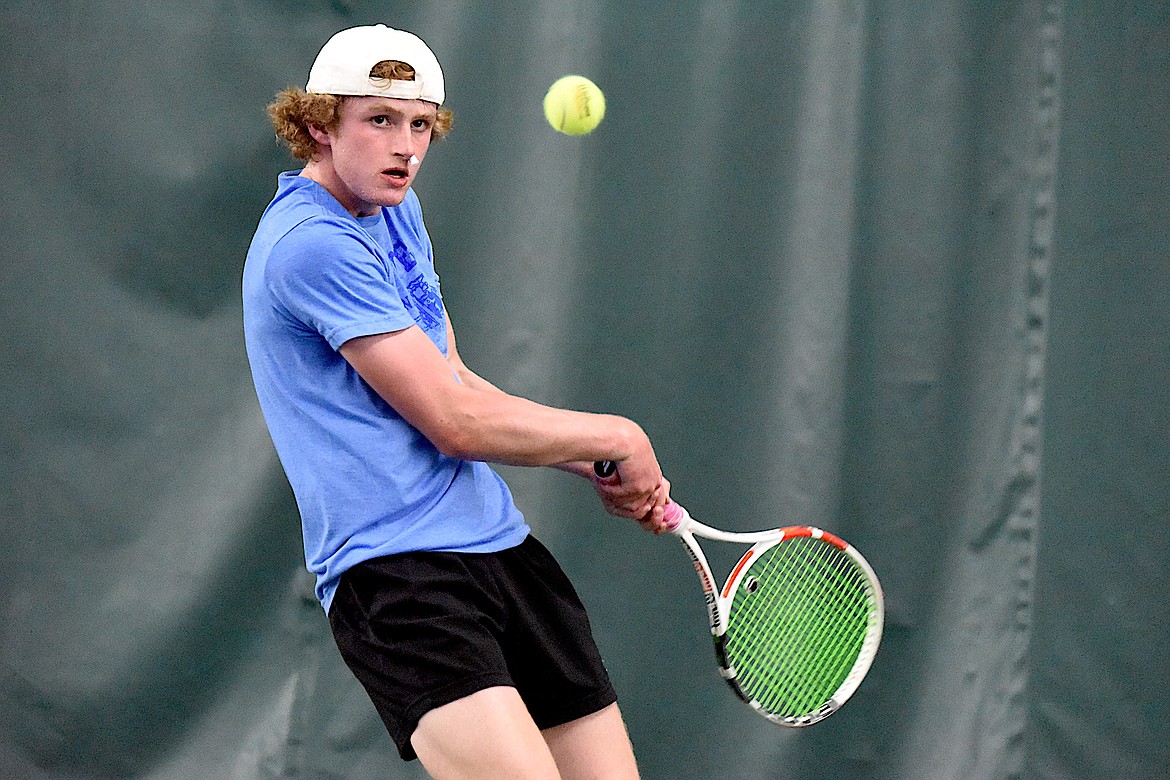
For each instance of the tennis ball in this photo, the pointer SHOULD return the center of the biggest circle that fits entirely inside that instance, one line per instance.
(574, 105)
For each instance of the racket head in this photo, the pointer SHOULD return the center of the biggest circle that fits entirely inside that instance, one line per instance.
(804, 613)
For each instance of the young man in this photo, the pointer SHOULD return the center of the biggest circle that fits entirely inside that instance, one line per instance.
(464, 631)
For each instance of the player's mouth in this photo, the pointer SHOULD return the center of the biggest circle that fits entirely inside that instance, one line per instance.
(398, 177)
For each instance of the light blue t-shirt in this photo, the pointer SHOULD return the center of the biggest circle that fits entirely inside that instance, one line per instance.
(366, 482)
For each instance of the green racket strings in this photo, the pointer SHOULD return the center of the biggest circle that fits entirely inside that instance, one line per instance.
(797, 626)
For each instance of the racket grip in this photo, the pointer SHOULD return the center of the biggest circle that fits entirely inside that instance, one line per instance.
(672, 515)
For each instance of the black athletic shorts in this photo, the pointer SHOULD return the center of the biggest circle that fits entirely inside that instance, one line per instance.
(420, 630)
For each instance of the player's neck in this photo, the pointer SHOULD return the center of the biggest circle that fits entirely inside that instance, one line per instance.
(322, 172)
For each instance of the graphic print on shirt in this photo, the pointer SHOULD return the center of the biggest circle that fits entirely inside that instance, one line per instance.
(424, 302)
(402, 256)
(430, 306)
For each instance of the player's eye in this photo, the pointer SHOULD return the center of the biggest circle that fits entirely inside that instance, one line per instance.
(421, 124)
(380, 120)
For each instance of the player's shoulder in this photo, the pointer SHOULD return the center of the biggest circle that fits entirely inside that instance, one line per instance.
(306, 221)
(301, 201)
(316, 242)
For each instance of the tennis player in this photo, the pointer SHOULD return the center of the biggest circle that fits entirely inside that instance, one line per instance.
(468, 637)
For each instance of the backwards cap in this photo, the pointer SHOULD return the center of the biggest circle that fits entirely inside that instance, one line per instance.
(343, 65)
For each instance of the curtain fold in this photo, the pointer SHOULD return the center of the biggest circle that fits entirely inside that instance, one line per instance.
(896, 270)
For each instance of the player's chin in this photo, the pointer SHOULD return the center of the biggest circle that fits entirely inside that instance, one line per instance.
(393, 191)
(393, 197)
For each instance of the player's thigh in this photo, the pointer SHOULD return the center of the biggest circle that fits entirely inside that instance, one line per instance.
(596, 745)
(484, 736)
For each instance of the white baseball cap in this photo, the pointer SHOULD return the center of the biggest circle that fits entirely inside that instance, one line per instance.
(343, 65)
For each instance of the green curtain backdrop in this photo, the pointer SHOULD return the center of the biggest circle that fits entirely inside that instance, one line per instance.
(896, 269)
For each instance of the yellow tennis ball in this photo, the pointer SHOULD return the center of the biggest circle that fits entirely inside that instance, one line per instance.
(574, 105)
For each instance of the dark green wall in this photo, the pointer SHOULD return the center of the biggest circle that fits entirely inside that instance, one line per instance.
(895, 269)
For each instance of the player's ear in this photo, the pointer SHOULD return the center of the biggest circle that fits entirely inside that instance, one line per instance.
(320, 135)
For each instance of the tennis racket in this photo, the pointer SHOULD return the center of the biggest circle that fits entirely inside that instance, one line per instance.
(797, 623)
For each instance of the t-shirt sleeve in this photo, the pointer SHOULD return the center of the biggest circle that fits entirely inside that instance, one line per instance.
(330, 280)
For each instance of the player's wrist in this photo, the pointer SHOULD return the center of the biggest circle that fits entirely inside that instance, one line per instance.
(630, 441)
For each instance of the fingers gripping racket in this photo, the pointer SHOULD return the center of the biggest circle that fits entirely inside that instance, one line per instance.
(797, 623)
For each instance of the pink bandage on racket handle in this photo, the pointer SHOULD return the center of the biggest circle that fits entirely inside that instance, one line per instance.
(672, 515)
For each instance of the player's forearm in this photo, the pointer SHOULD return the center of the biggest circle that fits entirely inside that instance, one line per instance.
(473, 420)
(502, 428)
(582, 468)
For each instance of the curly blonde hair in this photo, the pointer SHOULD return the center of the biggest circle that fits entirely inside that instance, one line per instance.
(294, 110)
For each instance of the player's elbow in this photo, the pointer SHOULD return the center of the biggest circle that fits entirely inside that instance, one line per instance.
(455, 440)
(474, 425)
(455, 447)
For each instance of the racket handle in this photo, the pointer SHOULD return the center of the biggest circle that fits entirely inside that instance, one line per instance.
(673, 516)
